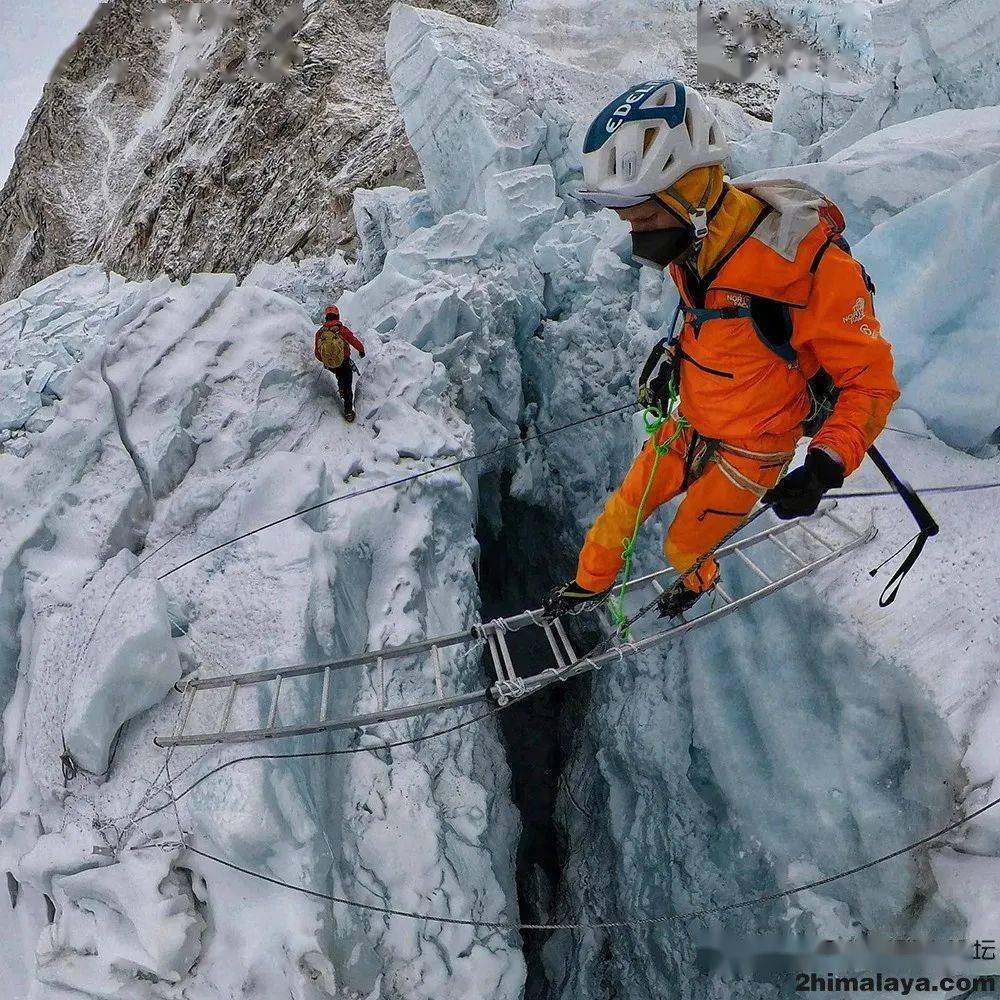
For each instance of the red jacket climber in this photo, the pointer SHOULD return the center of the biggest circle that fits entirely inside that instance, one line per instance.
(771, 298)
(333, 350)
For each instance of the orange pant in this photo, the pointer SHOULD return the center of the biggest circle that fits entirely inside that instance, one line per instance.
(713, 505)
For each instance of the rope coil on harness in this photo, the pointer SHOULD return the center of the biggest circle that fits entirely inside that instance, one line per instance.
(653, 419)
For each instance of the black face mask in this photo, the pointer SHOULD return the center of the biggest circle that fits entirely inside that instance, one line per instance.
(661, 247)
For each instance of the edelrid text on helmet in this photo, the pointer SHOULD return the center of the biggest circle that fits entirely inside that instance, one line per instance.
(646, 139)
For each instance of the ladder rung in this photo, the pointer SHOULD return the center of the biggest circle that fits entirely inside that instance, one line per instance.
(560, 662)
(657, 586)
(754, 566)
(838, 520)
(505, 653)
(185, 710)
(272, 717)
(724, 594)
(561, 632)
(791, 552)
(229, 707)
(438, 680)
(325, 696)
(818, 538)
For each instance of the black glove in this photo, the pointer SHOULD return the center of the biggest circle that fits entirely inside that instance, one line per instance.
(361, 354)
(654, 381)
(798, 493)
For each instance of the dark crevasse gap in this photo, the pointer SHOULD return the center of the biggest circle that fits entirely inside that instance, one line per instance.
(518, 567)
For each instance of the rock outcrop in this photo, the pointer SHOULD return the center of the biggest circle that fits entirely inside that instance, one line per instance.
(192, 139)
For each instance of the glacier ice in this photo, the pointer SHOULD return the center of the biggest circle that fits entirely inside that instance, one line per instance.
(196, 412)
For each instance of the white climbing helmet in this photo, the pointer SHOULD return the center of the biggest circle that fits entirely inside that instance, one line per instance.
(645, 140)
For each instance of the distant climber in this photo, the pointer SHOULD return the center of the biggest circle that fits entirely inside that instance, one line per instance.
(333, 349)
(778, 317)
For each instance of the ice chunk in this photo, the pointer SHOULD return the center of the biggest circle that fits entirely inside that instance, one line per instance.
(922, 156)
(934, 54)
(934, 267)
(459, 236)
(44, 370)
(809, 104)
(17, 400)
(522, 203)
(121, 924)
(127, 666)
(383, 219)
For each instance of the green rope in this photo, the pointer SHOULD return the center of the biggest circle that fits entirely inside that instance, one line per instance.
(653, 421)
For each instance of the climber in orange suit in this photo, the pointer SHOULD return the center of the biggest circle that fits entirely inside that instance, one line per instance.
(771, 297)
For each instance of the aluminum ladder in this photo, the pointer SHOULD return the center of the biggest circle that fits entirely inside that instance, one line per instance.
(801, 547)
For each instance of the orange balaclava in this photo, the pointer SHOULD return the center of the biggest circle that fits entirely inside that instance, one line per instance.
(734, 211)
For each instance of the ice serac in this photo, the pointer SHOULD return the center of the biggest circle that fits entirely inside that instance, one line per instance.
(194, 413)
(932, 55)
(938, 302)
(127, 664)
(923, 157)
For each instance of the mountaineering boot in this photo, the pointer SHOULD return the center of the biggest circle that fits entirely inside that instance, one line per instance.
(677, 600)
(572, 598)
(349, 414)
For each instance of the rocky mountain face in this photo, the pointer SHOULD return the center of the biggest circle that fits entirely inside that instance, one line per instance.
(179, 138)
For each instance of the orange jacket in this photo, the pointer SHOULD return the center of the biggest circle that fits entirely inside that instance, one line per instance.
(733, 386)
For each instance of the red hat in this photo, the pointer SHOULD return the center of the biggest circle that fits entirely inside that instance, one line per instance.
(332, 311)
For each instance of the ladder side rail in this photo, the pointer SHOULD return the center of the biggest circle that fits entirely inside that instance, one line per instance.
(318, 666)
(541, 680)
(308, 729)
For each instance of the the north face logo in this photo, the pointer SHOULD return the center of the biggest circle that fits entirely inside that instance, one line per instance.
(857, 313)
(736, 299)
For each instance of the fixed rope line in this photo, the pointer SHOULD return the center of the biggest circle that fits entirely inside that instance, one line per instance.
(633, 923)
(344, 751)
(402, 480)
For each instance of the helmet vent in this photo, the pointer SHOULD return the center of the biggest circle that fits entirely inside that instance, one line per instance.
(648, 137)
(689, 124)
(667, 161)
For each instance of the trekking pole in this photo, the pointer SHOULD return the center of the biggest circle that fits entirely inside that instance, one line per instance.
(926, 524)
